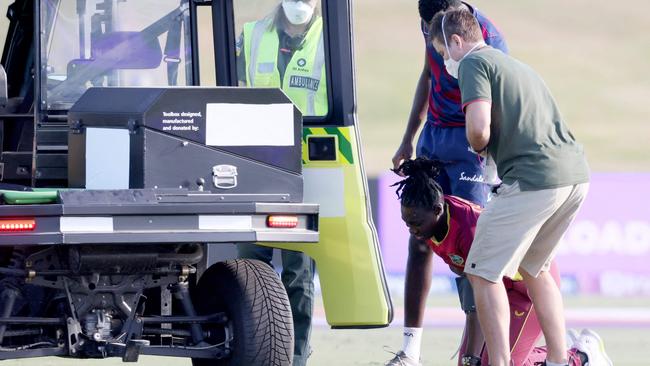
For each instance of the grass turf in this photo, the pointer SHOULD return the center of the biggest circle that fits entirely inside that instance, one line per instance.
(626, 347)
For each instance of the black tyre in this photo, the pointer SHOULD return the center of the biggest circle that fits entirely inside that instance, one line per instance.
(253, 297)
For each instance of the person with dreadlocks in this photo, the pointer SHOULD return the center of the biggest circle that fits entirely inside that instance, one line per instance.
(446, 224)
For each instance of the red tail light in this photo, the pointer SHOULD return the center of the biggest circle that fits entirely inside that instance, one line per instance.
(17, 225)
(282, 222)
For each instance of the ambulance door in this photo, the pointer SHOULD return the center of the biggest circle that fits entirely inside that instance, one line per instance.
(348, 258)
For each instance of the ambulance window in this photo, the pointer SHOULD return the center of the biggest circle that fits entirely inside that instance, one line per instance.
(4, 23)
(280, 44)
(112, 43)
(205, 46)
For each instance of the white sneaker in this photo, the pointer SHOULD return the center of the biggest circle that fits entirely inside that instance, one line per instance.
(572, 336)
(592, 345)
(401, 359)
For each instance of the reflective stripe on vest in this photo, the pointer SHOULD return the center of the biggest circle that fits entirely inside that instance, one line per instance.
(317, 71)
(306, 88)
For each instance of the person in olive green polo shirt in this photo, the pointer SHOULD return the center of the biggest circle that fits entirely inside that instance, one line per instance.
(512, 116)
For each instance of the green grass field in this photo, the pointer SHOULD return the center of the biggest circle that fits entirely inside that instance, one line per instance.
(627, 346)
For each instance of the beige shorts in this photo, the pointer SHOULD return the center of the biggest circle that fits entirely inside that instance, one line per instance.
(522, 229)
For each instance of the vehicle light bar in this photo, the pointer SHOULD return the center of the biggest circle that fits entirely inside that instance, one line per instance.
(282, 222)
(17, 225)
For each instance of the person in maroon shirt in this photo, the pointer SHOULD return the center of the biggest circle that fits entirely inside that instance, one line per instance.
(446, 225)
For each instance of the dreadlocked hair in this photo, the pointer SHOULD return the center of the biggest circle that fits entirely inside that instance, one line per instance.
(420, 188)
(429, 8)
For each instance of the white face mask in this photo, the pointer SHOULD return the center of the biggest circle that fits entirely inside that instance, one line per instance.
(297, 12)
(452, 65)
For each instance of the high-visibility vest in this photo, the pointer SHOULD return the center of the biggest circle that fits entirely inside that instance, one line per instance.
(304, 79)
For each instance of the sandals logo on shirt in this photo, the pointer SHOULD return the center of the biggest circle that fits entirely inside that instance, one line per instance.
(456, 259)
(475, 178)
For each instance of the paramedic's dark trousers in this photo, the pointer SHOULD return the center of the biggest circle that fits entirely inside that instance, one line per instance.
(298, 279)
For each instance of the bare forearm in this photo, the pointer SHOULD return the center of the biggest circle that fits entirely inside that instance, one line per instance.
(419, 107)
(478, 120)
(420, 102)
(477, 142)
(418, 283)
